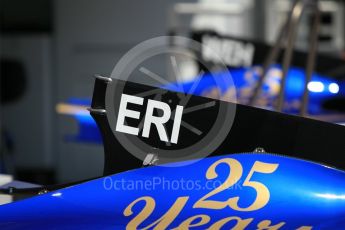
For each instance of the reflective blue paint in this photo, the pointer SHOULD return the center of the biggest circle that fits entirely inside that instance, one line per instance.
(302, 193)
(88, 131)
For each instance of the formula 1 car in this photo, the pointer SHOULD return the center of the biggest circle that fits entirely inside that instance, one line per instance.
(166, 168)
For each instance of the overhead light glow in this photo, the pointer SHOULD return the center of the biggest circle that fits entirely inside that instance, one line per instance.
(57, 194)
(69, 109)
(333, 88)
(331, 196)
(316, 86)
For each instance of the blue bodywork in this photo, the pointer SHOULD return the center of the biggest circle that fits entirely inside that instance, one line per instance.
(88, 130)
(301, 195)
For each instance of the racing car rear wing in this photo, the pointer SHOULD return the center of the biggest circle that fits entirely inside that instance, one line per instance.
(250, 128)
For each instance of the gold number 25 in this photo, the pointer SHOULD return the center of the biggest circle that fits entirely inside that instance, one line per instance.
(235, 173)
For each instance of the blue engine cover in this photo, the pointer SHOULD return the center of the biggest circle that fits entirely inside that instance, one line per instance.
(247, 191)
